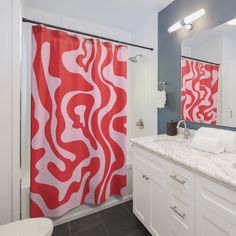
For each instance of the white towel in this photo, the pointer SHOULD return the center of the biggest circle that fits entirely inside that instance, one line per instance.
(208, 144)
(161, 99)
(228, 138)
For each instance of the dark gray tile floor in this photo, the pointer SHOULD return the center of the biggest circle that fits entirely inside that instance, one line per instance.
(115, 221)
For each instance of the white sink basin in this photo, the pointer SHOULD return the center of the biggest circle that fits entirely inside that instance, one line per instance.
(173, 144)
(171, 141)
(234, 165)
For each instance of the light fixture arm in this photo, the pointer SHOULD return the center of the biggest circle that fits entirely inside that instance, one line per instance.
(189, 26)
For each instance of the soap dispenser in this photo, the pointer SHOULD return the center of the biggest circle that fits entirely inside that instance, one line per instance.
(171, 127)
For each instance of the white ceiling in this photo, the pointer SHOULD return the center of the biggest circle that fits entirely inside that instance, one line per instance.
(120, 14)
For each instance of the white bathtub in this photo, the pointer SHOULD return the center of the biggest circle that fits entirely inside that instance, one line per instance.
(80, 211)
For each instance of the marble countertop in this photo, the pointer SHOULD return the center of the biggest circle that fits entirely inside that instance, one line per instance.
(221, 167)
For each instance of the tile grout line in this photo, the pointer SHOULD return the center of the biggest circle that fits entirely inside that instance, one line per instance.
(132, 214)
(68, 225)
(108, 233)
(103, 223)
(126, 208)
(132, 232)
(87, 227)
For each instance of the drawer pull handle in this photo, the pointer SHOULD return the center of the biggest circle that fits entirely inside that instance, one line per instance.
(182, 215)
(174, 177)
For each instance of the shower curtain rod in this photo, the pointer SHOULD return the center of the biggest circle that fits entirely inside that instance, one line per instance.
(83, 33)
(195, 59)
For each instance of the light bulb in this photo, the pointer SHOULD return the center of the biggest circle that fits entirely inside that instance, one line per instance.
(191, 18)
(232, 22)
(175, 27)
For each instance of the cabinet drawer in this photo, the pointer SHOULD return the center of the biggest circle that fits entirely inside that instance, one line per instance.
(181, 213)
(182, 180)
(174, 230)
(217, 198)
(208, 224)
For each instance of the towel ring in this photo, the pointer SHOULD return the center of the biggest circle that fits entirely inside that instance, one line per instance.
(163, 83)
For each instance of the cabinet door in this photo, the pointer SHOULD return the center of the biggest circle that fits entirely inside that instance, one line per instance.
(208, 223)
(140, 196)
(150, 193)
(158, 204)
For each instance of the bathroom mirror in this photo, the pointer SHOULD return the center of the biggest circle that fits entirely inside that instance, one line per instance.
(208, 76)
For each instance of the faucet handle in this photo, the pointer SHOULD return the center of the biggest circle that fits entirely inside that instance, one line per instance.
(187, 133)
(140, 123)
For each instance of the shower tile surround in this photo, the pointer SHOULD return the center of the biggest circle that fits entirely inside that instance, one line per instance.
(115, 221)
(169, 47)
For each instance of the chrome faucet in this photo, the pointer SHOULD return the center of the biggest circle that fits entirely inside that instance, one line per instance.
(186, 130)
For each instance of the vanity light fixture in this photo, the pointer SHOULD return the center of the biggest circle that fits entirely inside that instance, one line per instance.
(232, 22)
(175, 27)
(189, 26)
(187, 21)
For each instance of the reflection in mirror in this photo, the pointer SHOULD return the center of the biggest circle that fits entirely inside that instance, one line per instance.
(208, 84)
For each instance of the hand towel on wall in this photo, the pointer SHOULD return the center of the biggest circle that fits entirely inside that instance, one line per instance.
(227, 137)
(161, 99)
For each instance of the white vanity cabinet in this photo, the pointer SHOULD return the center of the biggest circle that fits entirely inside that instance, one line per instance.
(150, 195)
(216, 209)
(209, 223)
(181, 205)
(142, 189)
(173, 201)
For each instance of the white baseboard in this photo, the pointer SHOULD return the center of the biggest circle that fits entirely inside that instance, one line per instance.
(90, 210)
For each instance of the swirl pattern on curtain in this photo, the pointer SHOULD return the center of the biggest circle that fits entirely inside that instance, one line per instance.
(199, 91)
(78, 121)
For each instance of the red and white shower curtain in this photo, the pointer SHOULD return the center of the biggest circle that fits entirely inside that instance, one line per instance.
(78, 118)
(199, 91)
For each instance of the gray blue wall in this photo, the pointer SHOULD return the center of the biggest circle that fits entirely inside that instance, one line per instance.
(169, 46)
